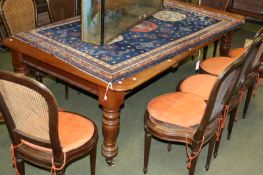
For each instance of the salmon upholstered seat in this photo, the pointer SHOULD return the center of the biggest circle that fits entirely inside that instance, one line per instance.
(200, 84)
(237, 52)
(216, 65)
(211, 66)
(173, 108)
(74, 131)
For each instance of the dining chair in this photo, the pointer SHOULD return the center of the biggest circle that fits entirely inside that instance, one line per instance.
(1, 118)
(40, 133)
(202, 84)
(237, 52)
(217, 64)
(188, 119)
(62, 9)
(20, 16)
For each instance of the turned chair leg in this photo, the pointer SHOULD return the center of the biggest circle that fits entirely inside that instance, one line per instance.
(211, 147)
(93, 156)
(1, 118)
(233, 114)
(248, 97)
(66, 91)
(39, 76)
(147, 147)
(61, 172)
(20, 165)
(193, 164)
(217, 144)
(169, 147)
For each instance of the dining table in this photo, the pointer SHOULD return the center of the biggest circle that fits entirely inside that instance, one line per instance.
(134, 58)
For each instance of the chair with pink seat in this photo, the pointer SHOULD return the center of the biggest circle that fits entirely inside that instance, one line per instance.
(202, 84)
(40, 133)
(182, 117)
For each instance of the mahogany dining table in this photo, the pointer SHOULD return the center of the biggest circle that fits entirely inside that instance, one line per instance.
(114, 70)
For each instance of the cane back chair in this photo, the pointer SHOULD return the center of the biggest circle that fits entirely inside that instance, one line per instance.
(202, 84)
(40, 133)
(20, 16)
(216, 65)
(188, 119)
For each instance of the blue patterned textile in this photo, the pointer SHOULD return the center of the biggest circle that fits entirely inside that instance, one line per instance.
(145, 45)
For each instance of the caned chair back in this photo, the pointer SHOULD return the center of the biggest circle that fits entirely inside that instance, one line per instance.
(230, 81)
(62, 9)
(220, 95)
(259, 33)
(259, 57)
(216, 4)
(253, 57)
(18, 15)
(30, 110)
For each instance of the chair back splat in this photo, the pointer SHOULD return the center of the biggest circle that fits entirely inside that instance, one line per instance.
(30, 110)
(62, 9)
(18, 15)
(249, 59)
(220, 95)
(40, 133)
(219, 4)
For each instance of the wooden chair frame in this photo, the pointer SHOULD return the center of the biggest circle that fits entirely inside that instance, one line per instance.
(43, 159)
(152, 129)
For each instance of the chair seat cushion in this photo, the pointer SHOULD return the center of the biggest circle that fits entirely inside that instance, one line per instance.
(237, 52)
(179, 108)
(73, 129)
(199, 84)
(215, 66)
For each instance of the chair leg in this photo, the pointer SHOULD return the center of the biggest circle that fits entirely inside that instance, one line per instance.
(66, 91)
(205, 52)
(147, 147)
(233, 114)
(193, 165)
(169, 147)
(20, 166)
(61, 172)
(215, 48)
(38, 76)
(217, 144)
(210, 151)
(248, 97)
(1, 118)
(93, 156)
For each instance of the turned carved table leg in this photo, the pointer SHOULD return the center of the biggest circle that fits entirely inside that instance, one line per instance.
(111, 122)
(225, 44)
(19, 66)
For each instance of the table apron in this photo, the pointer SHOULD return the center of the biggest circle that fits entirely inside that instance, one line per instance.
(63, 75)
